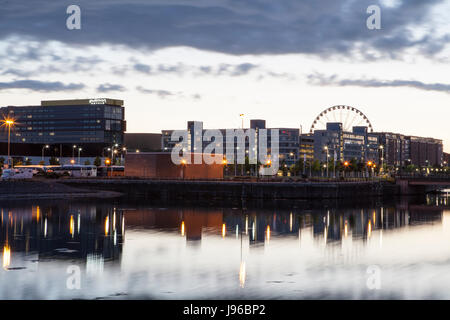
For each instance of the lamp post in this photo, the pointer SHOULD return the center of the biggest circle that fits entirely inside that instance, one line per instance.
(79, 151)
(346, 164)
(121, 155)
(326, 149)
(73, 150)
(382, 158)
(43, 148)
(9, 122)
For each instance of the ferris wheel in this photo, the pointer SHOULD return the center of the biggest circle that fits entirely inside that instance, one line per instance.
(349, 117)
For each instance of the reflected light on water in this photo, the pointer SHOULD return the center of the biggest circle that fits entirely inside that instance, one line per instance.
(182, 228)
(6, 257)
(290, 222)
(242, 274)
(268, 233)
(71, 225)
(224, 230)
(346, 229)
(106, 225)
(369, 229)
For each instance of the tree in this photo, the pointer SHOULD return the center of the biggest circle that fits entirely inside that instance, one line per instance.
(316, 166)
(298, 167)
(53, 161)
(354, 164)
(97, 161)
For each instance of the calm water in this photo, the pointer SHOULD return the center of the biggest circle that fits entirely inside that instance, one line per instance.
(125, 251)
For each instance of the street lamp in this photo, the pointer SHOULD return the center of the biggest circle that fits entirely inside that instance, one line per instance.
(9, 122)
(346, 164)
(382, 158)
(79, 150)
(326, 149)
(73, 150)
(43, 148)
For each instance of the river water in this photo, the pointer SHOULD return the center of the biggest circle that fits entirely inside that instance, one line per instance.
(118, 250)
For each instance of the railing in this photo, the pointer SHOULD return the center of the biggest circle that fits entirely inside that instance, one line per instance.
(423, 176)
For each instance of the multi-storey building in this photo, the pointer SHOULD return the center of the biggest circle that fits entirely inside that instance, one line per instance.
(288, 140)
(91, 124)
(335, 143)
(401, 150)
(306, 150)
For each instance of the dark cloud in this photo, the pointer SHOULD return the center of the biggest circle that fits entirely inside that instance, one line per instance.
(231, 26)
(43, 86)
(321, 80)
(108, 87)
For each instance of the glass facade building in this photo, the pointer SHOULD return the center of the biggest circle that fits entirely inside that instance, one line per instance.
(88, 123)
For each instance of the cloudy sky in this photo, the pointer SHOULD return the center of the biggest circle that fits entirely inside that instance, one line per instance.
(211, 60)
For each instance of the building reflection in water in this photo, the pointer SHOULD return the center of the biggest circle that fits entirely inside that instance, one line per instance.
(95, 234)
(259, 226)
(61, 231)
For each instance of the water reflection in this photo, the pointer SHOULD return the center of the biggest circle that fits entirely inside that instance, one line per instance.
(60, 232)
(144, 251)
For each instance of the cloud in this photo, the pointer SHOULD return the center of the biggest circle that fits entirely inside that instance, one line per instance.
(236, 70)
(166, 93)
(232, 26)
(42, 86)
(144, 68)
(107, 87)
(160, 93)
(321, 80)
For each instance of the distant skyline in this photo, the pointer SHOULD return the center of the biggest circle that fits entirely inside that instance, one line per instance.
(283, 61)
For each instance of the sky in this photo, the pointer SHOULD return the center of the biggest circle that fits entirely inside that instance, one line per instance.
(284, 61)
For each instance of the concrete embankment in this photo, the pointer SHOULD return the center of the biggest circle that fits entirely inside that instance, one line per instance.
(47, 189)
(169, 190)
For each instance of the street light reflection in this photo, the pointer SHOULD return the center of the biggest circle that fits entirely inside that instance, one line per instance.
(6, 257)
(224, 230)
(106, 225)
(182, 228)
(72, 225)
(242, 274)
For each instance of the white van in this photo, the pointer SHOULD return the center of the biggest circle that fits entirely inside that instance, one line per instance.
(20, 173)
(77, 170)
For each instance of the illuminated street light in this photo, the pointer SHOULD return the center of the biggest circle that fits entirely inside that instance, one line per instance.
(79, 150)
(73, 150)
(10, 123)
(43, 148)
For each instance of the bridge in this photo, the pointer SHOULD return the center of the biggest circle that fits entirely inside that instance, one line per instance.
(422, 183)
